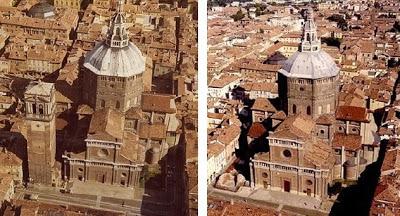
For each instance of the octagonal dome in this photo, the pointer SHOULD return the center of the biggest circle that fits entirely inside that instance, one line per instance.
(310, 65)
(110, 61)
(42, 10)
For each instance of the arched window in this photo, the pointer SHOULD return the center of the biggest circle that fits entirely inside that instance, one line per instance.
(294, 109)
(117, 106)
(34, 108)
(41, 110)
(308, 110)
(308, 36)
(103, 103)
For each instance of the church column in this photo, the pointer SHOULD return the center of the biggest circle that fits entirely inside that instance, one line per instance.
(252, 180)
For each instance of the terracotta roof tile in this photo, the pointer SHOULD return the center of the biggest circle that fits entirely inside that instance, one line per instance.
(256, 130)
(263, 104)
(352, 113)
(349, 141)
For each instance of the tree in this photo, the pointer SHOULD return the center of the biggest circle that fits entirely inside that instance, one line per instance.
(238, 16)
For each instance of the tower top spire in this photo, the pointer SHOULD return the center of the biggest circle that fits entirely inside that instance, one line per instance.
(120, 5)
(117, 35)
(310, 41)
(310, 14)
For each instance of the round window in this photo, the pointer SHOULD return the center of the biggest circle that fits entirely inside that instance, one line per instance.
(265, 175)
(309, 182)
(123, 174)
(287, 153)
(322, 132)
(80, 169)
(103, 152)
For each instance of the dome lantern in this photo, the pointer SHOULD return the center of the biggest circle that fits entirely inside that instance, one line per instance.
(117, 35)
(310, 41)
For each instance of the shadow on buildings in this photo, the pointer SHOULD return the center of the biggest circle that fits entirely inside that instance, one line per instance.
(247, 150)
(16, 143)
(165, 191)
(357, 199)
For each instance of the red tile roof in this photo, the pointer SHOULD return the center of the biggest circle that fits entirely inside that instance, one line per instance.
(352, 113)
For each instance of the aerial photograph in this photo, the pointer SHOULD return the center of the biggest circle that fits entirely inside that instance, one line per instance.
(98, 107)
(303, 107)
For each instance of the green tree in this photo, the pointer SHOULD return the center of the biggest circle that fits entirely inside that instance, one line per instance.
(238, 16)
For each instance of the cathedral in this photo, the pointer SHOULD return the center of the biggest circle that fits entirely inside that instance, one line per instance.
(121, 127)
(300, 159)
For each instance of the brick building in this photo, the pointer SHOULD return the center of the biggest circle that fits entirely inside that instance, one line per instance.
(40, 131)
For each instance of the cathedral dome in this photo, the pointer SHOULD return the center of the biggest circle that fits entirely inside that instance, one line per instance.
(120, 62)
(42, 10)
(310, 65)
(310, 62)
(116, 56)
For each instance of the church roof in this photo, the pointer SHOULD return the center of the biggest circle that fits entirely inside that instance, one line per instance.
(116, 56)
(41, 10)
(39, 88)
(158, 103)
(310, 65)
(310, 62)
(107, 125)
(120, 62)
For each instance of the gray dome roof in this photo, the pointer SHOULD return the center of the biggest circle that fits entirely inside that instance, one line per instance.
(310, 65)
(121, 62)
(41, 10)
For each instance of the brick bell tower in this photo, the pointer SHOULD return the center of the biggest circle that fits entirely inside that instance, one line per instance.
(39, 121)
